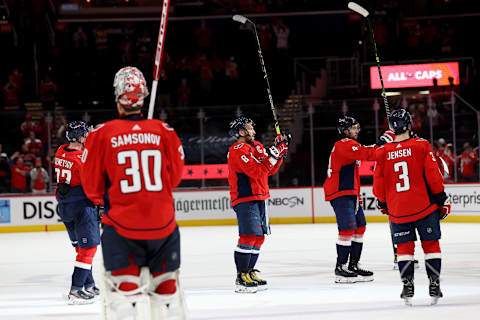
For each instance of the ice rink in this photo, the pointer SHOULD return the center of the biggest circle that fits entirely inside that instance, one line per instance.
(297, 260)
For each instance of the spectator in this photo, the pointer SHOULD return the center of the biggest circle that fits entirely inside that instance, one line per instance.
(27, 156)
(282, 33)
(41, 131)
(144, 49)
(39, 178)
(206, 76)
(203, 34)
(265, 37)
(183, 93)
(468, 161)
(184, 68)
(61, 138)
(4, 172)
(80, 41)
(11, 93)
(444, 151)
(34, 145)
(19, 174)
(48, 93)
(27, 126)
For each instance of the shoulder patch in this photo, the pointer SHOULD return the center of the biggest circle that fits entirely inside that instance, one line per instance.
(97, 127)
(167, 126)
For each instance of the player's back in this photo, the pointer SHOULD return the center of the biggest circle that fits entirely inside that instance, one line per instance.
(410, 174)
(141, 162)
(67, 165)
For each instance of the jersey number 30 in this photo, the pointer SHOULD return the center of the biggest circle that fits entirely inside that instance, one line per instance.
(402, 167)
(142, 163)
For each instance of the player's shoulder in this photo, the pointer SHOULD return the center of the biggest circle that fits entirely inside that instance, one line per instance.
(239, 147)
(347, 142)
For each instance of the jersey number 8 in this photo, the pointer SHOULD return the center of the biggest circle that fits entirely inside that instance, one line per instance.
(402, 167)
(133, 171)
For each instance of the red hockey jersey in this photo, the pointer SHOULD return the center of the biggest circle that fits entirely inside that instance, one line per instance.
(67, 165)
(342, 176)
(133, 164)
(247, 175)
(405, 177)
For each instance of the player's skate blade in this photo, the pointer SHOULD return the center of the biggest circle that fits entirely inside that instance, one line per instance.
(408, 301)
(343, 275)
(78, 297)
(242, 289)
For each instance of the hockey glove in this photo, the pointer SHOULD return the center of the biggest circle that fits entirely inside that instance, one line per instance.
(440, 198)
(382, 206)
(100, 211)
(278, 150)
(445, 211)
(387, 137)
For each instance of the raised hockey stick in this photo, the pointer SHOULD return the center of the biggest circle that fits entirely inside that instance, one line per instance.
(362, 11)
(244, 20)
(158, 56)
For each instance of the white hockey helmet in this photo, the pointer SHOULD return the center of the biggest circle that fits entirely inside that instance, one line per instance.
(130, 87)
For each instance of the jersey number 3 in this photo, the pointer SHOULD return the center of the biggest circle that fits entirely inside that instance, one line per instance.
(402, 167)
(142, 163)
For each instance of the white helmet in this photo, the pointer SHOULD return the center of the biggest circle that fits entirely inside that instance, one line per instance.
(130, 87)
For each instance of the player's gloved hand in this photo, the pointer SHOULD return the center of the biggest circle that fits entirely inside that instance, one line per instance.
(440, 198)
(100, 211)
(445, 211)
(382, 206)
(278, 150)
(387, 137)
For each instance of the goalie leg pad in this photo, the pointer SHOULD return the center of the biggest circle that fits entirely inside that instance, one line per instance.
(166, 297)
(125, 296)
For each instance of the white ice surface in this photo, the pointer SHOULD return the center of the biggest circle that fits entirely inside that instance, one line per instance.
(297, 260)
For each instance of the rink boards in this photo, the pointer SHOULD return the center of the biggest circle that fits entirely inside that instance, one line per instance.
(212, 207)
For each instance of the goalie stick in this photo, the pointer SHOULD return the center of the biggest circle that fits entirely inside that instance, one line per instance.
(158, 56)
(247, 22)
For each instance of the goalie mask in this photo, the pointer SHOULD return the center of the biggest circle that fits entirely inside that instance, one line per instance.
(75, 130)
(399, 121)
(346, 123)
(238, 124)
(130, 88)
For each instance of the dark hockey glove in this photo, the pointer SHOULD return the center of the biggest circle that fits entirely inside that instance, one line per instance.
(100, 211)
(382, 206)
(440, 198)
(387, 137)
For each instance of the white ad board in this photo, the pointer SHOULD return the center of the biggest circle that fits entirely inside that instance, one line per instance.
(204, 205)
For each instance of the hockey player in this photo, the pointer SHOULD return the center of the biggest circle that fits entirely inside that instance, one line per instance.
(249, 166)
(78, 213)
(133, 164)
(409, 188)
(342, 189)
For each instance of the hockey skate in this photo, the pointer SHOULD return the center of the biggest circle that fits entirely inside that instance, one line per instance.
(408, 291)
(93, 291)
(362, 275)
(434, 289)
(261, 284)
(80, 297)
(245, 284)
(343, 275)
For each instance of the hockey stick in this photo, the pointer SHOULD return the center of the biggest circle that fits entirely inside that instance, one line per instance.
(158, 56)
(362, 11)
(244, 20)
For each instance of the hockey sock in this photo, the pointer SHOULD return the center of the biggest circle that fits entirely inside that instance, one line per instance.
(357, 244)
(344, 245)
(433, 257)
(89, 282)
(83, 265)
(255, 251)
(406, 265)
(243, 252)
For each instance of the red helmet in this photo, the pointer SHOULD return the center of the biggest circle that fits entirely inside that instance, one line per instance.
(130, 87)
